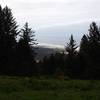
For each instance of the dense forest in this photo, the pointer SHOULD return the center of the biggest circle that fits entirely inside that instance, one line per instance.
(18, 53)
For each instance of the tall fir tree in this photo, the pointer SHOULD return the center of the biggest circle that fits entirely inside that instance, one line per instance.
(94, 51)
(89, 50)
(26, 54)
(83, 55)
(71, 68)
(8, 33)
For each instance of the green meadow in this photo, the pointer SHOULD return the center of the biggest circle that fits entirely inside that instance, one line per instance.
(30, 88)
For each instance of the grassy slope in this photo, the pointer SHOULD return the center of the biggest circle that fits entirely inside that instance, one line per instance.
(14, 88)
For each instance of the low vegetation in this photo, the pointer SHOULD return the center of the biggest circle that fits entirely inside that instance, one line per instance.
(30, 88)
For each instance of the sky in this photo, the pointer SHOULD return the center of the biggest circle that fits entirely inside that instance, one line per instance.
(47, 14)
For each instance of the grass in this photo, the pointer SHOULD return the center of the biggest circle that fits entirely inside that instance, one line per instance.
(24, 88)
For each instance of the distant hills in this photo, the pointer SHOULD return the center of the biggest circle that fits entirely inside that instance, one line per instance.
(43, 51)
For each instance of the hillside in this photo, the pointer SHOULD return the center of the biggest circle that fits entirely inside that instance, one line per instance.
(46, 51)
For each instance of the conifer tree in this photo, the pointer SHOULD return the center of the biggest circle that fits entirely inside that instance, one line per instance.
(90, 52)
(94, 33)
(71, 46)
(8, 33)
(25, 49)
(71, 58)
(84, 44)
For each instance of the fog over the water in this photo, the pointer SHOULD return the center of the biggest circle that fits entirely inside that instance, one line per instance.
(55, 20)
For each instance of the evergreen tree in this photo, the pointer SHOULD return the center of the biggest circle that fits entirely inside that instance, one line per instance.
(10, 23)
(71, 58)
(26, 54)
(71, 47)
(94, 33)
(83, 55)
(90, 52)
(1, 34)
(8, 33)
(94, 51)
(84, 44)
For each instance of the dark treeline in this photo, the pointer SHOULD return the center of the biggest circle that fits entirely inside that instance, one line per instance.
(17, 53)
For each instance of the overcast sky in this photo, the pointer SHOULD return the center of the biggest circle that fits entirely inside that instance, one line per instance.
(49, 13)
(44, 13)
